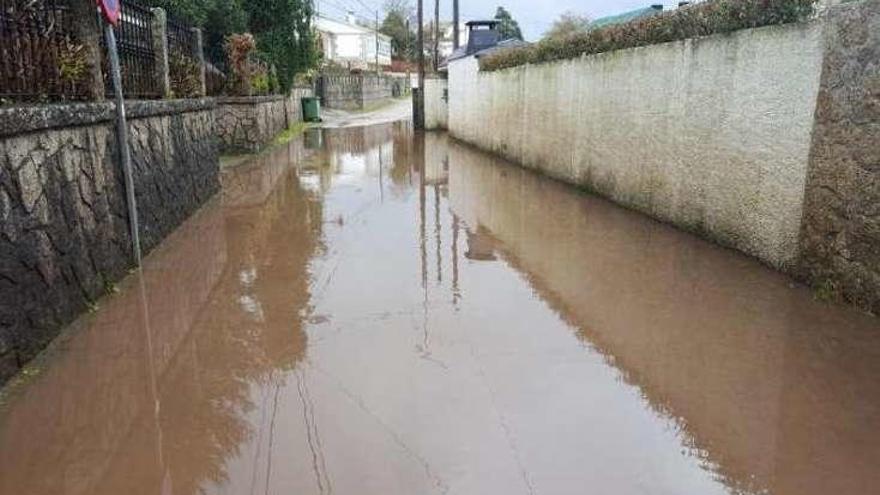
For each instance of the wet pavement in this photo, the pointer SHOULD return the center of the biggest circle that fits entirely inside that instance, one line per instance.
(389, 111)
(363, 312)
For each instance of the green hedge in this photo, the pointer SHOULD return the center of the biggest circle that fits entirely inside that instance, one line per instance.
(711, 17)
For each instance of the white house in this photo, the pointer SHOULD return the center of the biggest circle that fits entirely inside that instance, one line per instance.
(446, 36)
(352, 45)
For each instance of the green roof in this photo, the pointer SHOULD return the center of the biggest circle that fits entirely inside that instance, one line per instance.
(625, 17)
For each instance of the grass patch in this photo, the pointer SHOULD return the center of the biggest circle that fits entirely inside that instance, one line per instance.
(826, 291)
(291, 132)
(282, 138)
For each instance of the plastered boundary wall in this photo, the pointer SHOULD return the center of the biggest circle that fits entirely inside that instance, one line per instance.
(709, 134)
(717, 135)
(436, 107)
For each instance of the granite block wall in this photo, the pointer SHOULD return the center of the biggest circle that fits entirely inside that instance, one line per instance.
(64, 236)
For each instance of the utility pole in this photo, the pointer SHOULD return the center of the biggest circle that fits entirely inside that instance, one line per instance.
(436, 35)
(407, 55)
(420, 100)
(377, 42)
(455, 24)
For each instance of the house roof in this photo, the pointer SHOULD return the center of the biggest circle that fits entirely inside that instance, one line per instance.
(501, 45)
(328, 25)
(491, 23)
(626, 16)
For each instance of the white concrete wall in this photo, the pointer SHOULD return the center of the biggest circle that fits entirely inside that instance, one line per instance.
(436, 107)
(711, 134)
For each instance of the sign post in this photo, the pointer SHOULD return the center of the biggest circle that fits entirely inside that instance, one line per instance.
(111, 12)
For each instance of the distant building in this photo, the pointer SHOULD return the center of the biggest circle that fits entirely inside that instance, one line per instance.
(482, 38)
(447, 36)
(351, 45)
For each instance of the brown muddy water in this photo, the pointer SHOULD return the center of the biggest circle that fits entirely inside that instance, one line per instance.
(366, 312)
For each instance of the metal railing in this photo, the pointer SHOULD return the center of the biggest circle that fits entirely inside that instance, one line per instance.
(134, 41)
(184, 70)
(51, 50)
(181, 38)
(40, 55)
(215, 79)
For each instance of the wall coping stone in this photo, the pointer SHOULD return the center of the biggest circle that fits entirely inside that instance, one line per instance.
(22, 119)
(249, 100)
(694, 41)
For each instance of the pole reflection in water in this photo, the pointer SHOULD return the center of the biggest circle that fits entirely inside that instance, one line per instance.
(371, 310)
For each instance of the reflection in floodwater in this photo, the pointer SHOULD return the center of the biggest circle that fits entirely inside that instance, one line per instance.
(368, 311)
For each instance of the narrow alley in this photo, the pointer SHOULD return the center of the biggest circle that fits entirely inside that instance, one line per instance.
(368, 310)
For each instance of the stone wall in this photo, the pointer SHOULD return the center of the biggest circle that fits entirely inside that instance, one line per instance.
(840, 236)
(342, 92)
(247, 123)
(355, 92)
(64, 236)
(375, 89)
(764, 140)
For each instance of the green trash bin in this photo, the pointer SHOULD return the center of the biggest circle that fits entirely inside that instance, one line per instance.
(311, 109)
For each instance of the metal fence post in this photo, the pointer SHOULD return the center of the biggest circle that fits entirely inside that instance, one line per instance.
(200, 58)
(88, 31)
(159, 30)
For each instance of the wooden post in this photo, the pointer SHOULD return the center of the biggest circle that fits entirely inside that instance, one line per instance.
(455, 38)
(419, 116)
(159, 26)
(377, 42)
(88, 32)
(436, 36)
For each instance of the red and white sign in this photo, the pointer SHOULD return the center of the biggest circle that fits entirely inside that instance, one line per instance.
(110, 9)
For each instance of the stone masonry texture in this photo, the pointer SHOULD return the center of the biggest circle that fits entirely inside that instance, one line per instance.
(840, 235)
(354, 92)
(63, 218)
(247, 123)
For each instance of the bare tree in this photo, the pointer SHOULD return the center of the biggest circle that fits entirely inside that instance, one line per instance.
(569, 23)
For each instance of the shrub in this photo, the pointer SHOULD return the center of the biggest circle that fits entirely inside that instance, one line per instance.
(711, 17)
(260, 84)
(72, 63)
(239, 52)
(186, 80)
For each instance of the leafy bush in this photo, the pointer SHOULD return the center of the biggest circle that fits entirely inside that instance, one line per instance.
(711, 17)
(282, 30)
(250, 74)
(185, 74)
(239, 51)
(73, 65)
(260, 83)
(284, 35)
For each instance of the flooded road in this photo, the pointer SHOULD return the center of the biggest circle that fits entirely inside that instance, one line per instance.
(365, 312)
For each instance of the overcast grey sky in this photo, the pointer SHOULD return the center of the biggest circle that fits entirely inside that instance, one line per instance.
(534, 16)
